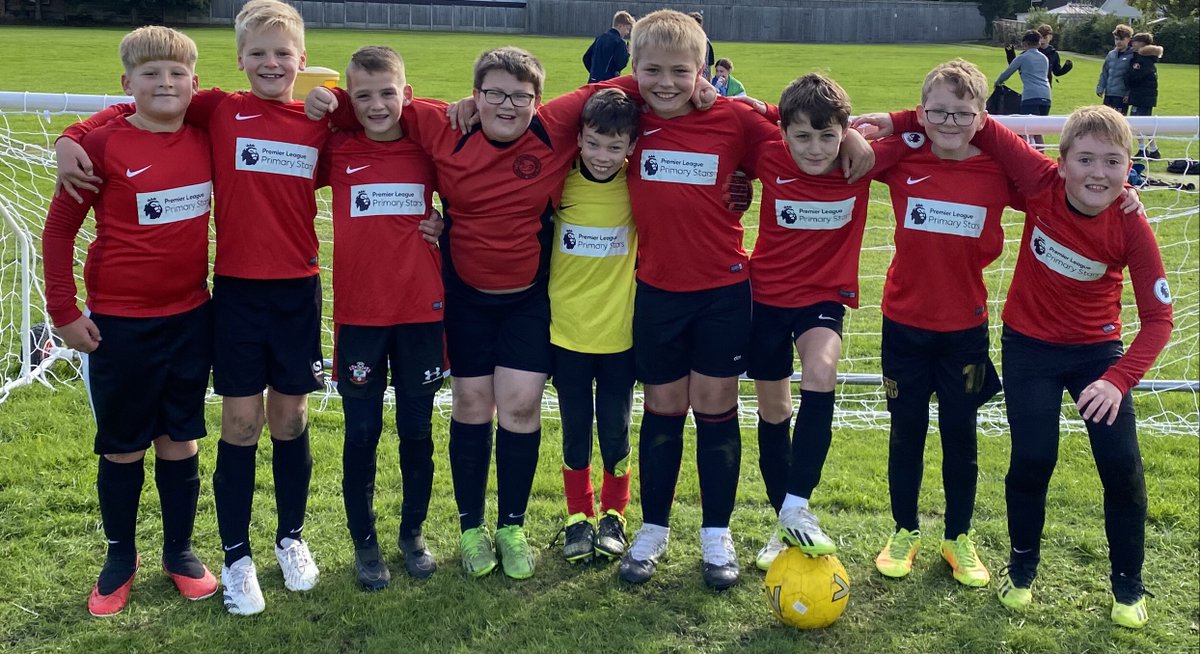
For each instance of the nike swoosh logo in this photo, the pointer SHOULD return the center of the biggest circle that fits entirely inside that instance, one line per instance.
(566, 206)
(912, 181)
(239, 116)
(351, 171)
(297, 530)
(139, 171)
(651, 131)
(515, 516)
(780, 180)
(233, 547)
(821, 316)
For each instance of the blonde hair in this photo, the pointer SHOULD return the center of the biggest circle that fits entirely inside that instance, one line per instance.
(157, 43)
(669, 30)
(623, 18)
(963, 79)
(515, 61)
(1122, 31)
(1103, 122)
(377, 59)
(262, 15)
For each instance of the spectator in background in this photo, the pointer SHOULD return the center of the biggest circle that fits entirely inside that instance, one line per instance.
(1057, 67)
(1111, 85)
(698, 16)
(1142, 80)
(724, 81)
(608, 54)
(1035, 79)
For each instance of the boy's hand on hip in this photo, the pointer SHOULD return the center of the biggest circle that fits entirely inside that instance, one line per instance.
(1100, 401)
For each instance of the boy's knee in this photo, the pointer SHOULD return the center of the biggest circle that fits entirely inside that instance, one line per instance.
(126, 457)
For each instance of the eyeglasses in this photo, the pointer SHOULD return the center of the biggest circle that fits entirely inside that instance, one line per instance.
(939, 117)
(496, 96)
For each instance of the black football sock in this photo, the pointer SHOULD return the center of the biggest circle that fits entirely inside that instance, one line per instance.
(660, 452)
(470, 458)
(364, 424)
(773, 459)
(414, 426)
(233, 492)
(811, 441)
(178, 485)
(119, 487)
(718, 462)
(291, 462)
(516, 463)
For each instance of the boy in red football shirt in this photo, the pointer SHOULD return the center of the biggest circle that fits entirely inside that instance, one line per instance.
(387, 306)
(147, 298)
(1062, 329)
(803, 275)
(692, 304)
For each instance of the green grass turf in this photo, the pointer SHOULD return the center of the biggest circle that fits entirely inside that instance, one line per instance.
(51, 543)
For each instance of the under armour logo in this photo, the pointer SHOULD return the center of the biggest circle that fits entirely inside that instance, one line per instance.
(433, 375)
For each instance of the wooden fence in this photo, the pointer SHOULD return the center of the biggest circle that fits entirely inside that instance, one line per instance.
(798, 21)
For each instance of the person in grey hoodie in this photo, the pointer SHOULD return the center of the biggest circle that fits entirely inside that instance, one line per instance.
(1035, 79)
(1111, 86)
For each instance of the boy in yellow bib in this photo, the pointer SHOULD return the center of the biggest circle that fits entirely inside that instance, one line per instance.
(591, 323)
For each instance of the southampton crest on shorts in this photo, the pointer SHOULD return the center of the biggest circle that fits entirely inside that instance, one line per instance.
(359, 372)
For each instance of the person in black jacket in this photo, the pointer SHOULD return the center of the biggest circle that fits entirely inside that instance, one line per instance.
(1058, 68)
(1142, 80)
(609, 53)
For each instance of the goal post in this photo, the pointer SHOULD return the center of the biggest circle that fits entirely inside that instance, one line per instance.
(1167, 398)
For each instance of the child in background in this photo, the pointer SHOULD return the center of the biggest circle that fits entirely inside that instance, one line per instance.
(1035, 79)
(591, 324)
(386, 316)
(1112, 85)
(724, 81)
(1142, 81)
(147, 298)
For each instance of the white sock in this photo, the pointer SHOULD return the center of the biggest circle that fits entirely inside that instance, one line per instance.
(712, 532)
(658, 531)
(793, 502)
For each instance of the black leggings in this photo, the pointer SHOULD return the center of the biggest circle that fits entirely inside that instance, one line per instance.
(1035, 374)
(614, 377)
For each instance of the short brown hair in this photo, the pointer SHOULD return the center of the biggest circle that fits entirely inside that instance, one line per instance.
(1122, 31)
(1045, 30)
(724, 63)
(515, 61)
(1103, 122)
(377, 59)
(962, 77)
(262, 15)
(612, 113)
(1031, 37)
(670, 30)
(1144, 37)
(622, 18)
(819, 98)
(156, 43)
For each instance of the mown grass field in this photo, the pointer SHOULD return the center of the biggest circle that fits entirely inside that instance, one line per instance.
(51, 545)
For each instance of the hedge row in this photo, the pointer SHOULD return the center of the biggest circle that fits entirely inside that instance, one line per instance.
(1179, 38)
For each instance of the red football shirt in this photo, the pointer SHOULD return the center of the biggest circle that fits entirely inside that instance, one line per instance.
(947, 232)
(688, 239)
(810, 228)
(150, 255)
(1068, 280)
(264, 156)
(384, 273)
(498, 198)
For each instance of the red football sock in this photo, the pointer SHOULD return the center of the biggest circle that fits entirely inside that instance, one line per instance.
(614, 492)
(578, 487)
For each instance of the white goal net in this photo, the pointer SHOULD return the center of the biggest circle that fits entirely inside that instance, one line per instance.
(1167, 400)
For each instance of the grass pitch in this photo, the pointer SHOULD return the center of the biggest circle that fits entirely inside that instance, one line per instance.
(51, 545)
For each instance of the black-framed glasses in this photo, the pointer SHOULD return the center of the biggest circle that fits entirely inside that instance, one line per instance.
(960, 118)
(496, 96)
